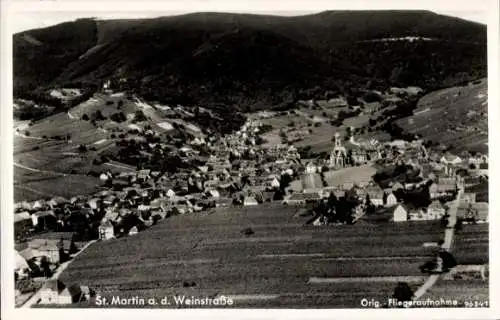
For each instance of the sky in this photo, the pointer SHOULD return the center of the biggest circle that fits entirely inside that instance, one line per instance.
(33, 20)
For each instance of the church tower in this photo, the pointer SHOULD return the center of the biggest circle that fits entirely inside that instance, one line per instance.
(338, 155)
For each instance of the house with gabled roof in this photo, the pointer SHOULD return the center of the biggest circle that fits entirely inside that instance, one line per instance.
(437, 190)
(400, 213)
(390, 199)
(435, 210)
(55, 292)
(450, 159)
(250, 201)
(397, 186)
(302, 198)
(474, 212)
(44, 219)
(468, 197)
(106, 230)
(376, 195)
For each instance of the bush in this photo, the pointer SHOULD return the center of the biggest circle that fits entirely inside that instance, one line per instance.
(109, 102)
(139, 116)
(372, 97)
(27, 133)
(85, 117)
(118, 117)
(82, 148)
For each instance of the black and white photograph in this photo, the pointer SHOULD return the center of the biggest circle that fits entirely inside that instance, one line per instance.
(253, 159)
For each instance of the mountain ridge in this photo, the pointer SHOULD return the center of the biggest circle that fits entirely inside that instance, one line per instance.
(247, 59)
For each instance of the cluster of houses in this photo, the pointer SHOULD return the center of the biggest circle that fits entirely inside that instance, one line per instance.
(238, 171)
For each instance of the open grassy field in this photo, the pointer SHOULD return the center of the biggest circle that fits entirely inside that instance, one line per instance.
(353, 175)
(454, 116)
(47, 187)
(53, 168)
(279, 258)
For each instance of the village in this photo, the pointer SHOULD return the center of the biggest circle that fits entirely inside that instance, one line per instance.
(343, 188)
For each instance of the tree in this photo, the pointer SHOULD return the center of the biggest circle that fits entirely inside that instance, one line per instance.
(278, 195)
(139, 116)
(85, 117)
(72, 247)
(332, 200)
(403, 292)
(82, 148)
(45, 266)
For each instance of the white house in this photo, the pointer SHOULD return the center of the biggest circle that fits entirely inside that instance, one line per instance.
(391, 200)
(311, 168)
(170, 193)
(250, 201)
(39, 204)
(22, 268)
(400, 213)
(133, 231)
(49, 294)
(106, 230)
(143, 207)
(105, 176)
(451, 159)
(94, 203)
(435, 210)
(275, 183)
(213, 193)
(22, 216)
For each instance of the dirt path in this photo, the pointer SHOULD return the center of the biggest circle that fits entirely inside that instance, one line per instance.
(38, 170)
(118, 166)
(448, 240)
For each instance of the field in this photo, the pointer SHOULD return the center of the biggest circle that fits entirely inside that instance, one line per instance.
(454, 116)
(321, 131)
(353, 175)
(470, 246)
(45, 187)
(464, 291)
(46, 154)
(278, 259)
